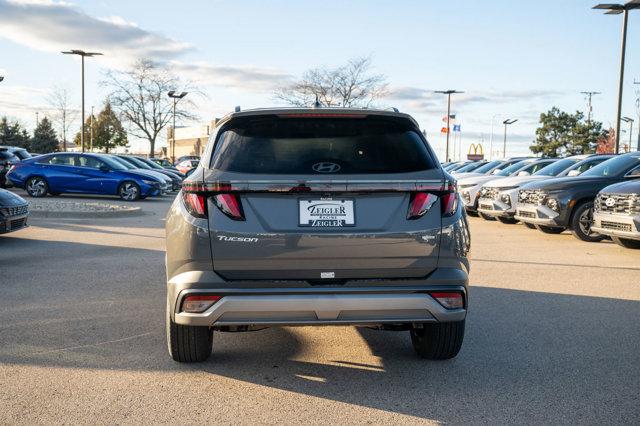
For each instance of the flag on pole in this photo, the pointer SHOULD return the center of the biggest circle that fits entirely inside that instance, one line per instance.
(456, 127)
(443, 130)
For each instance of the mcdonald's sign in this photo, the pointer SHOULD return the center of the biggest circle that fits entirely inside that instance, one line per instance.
(475, 153)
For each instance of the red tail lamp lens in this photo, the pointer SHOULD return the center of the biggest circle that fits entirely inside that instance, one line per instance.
(229, 204)
(450, 300)
(420, 203)
(449, 203)
(195, 204)
(198, 303)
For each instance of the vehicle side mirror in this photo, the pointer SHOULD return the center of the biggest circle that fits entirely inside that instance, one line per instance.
(105, 169)
(523, 173)
(573, 172)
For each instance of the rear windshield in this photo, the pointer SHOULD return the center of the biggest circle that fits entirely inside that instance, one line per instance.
(273, 145)
(614, 166)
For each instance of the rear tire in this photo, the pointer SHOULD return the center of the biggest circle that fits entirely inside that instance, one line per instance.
(438, 341)
(550, 229)
(507, 220)
(486, 216)
(188, 343)
(626, 243)
(581, 222)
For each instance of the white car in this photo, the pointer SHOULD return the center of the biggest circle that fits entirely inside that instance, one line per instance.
(470, 185)
(498, 198)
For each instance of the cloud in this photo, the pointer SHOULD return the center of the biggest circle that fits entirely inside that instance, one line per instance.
(236, 76)
(426, 100)
(55, 26)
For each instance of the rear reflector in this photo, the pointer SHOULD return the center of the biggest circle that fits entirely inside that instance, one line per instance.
(195, 204)
(198, 303)
(450, 300)
(420, 203)
(229, 204)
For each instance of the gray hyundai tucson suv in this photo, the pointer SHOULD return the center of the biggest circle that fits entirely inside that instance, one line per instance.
(319, 216)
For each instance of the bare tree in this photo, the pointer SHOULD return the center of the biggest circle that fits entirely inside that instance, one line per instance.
(63, 116)
(351, 85)
(139, 96)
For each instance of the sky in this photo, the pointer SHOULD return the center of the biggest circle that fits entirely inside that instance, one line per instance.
(512, 59)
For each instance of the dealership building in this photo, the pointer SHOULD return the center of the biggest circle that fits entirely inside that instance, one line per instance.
(188, 140)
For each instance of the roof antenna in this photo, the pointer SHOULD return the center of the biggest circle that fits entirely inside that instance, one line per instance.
(316, 104)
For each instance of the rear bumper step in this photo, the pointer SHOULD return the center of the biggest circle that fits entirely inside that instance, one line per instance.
(321, 309)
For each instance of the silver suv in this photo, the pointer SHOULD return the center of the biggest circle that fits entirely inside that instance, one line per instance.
(317, 217)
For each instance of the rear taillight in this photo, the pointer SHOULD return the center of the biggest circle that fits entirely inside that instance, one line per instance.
(229, 204)
(195, 204)
(449, 203)
(420, 203)
(195, 304)
(449, 299)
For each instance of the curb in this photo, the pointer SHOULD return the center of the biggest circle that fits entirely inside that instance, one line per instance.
(132, 211)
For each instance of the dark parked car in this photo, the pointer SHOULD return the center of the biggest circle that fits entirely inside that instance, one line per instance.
(317, 217)
(158, 168)
(7, 160)
(13, 212)
(563, 203)
(163, 162)
(81, 173)
(175, 180)
(19, 152)
(617, 213)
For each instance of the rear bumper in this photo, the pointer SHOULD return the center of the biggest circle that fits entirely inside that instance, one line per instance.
(268, 303)
(321, 309)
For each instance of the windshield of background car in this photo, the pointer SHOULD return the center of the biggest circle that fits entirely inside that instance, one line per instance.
(554, 169)
(113, 163)
(7, 156)
(614, 167)
(274, 145)
(141, 164)
(124, 164)
(487, 167)
(469, 167)
(512, 168)
(21, 154)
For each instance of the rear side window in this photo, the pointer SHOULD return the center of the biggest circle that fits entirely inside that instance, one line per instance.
(274, 145)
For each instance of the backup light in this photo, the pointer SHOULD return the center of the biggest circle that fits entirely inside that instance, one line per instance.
(450, 300)
(198, 303)
(195, 204)
(229, 204)
(420, 203)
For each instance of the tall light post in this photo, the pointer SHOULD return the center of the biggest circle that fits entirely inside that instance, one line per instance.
(91, 130)
(630, 121)
(504, 143)
(176, 97)
(82, 54)
(616, 9)
(448, 93)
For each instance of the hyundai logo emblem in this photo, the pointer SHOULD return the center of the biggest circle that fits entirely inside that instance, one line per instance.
(610, 202)
(326, 167)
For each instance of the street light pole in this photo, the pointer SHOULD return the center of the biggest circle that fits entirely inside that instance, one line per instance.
(504, 143)
(448, 93)
(91, 130)
(82, 54)
(589, 108)
(176, 97)
(630, 121)
(616, 9)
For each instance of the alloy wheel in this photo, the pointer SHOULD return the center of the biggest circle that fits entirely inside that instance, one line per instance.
(585, 221)
(37, 187)
(129, 191)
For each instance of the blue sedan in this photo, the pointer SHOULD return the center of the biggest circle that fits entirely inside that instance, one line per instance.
(81, 173)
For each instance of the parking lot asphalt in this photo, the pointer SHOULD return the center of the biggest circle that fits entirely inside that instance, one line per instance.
(552, 337)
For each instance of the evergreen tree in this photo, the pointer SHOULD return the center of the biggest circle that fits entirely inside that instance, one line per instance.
(44, 138)
(108, 132)
(561, 133)
(13, 134)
